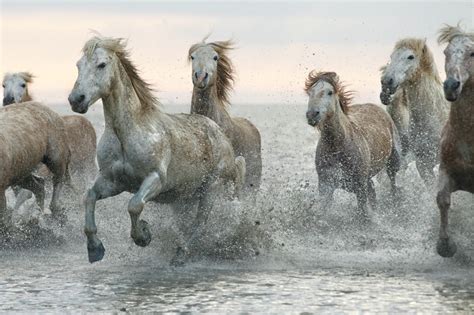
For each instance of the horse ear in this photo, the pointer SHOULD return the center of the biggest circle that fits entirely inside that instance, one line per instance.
(424, 46)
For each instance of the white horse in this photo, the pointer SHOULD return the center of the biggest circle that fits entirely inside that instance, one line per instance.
(412, 69)
(156, 156)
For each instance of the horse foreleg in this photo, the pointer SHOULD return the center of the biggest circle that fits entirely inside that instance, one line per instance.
(102, 189)
(361, 194)
(31, 184)
(149, 189)
(445, 246)
(372, 196)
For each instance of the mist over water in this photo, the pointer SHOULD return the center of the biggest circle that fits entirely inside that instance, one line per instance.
(280, 256)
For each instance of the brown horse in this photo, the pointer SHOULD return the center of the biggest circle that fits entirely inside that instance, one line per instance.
(456, 170)
(213, 75)
(356, 142)
(80, 133)
(31, 134)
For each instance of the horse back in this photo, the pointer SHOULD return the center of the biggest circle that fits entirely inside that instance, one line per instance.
(31, 134)
(379, 131)
(82, 139)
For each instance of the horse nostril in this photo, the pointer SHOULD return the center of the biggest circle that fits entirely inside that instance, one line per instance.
(456, 84)
(390, 82)
(312, 114)
(81, 97)
(196, 75)
(205, 77)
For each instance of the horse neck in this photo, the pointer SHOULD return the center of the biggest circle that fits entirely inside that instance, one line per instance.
(335, 129)
(122, 108)
(424, 95)
(206, 102)
(461, 115)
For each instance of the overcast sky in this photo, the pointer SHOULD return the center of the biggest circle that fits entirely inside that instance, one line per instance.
(278, 42)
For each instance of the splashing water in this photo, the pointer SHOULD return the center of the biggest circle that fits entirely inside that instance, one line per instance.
(281, 255)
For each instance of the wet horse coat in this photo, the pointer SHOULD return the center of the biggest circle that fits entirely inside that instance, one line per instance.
(356, 141)
(157, 156)
(456, 171)
(31, 134)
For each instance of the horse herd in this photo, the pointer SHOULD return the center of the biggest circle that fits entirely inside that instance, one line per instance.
(185, 159)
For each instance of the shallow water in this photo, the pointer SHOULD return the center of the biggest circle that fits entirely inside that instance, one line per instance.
(294, 258)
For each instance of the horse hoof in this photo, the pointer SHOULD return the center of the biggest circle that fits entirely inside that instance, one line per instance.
(446, 247)
(95, 251)
(144, 235)
(179, 259)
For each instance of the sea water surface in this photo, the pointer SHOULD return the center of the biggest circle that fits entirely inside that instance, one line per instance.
(283, 255)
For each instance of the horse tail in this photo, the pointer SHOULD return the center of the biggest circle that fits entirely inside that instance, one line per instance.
(239, 178)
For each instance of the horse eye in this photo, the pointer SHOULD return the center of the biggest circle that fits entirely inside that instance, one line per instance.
(472, 54)
(411, 57)
(330, 93)
(23, 85)
(215, 58)
(101, 66)
(192, 57)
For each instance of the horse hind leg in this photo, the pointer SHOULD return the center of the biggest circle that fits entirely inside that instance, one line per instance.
(445, 246)
(202, 215)
(393, 166)
(149, 189)
(31, 184)
(5, 214)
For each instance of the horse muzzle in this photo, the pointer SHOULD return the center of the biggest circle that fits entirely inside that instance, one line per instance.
(8, 100)
(452, 89)
(77, 102)
(313, 118)
(385, 98)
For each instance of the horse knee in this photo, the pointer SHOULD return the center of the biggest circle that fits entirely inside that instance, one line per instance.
(443, 200)
(135, 205)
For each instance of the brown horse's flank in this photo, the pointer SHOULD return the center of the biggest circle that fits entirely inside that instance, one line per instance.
(456, 171)
(357, 142)
(31, 134)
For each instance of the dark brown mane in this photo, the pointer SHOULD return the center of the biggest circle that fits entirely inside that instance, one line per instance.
(345, 97)
(225, 68)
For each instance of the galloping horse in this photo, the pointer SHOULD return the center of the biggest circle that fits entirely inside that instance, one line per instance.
(31, 134)
(156, 156)
(212, 76)
(80, 134)
(456, 171)
(356, 142)
(412, 72)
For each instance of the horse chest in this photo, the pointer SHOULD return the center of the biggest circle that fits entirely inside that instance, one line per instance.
(121, 163)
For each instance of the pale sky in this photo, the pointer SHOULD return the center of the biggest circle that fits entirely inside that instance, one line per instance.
(278, 42)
